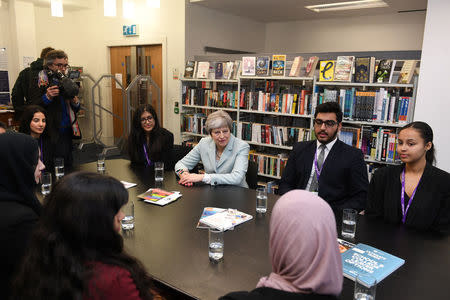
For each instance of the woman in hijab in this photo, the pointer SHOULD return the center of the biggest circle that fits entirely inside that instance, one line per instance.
(306, 263)
(19, 208)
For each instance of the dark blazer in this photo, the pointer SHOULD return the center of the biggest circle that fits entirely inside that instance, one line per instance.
(343, 182)
(430, 208)
(265, 293)
(137, 155)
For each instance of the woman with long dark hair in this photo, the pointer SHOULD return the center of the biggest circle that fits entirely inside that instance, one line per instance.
(34, 123)
(415, 193)
(19, 208)
(148, 141)
(77, 251)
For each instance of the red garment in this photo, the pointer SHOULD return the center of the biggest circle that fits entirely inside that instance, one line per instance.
(110, 283)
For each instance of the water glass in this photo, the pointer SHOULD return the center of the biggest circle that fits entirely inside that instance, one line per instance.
(101, 163)
(349, 223)
(261, 200)
(365, 287)
(215, 244)
(128, 220)
(59, 168)
(46, 180)
(159, 171)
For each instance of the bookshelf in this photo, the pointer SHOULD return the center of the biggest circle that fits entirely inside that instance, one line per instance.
(252, 105)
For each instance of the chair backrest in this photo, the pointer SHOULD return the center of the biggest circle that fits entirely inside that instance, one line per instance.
(178, 152)
(252, 175)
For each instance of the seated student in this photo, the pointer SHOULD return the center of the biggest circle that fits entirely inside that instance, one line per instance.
(415, 193)
(20, 170)
(76, 251)
(224, 157)
(306, 262)
(2, 127)
(328, 166)
(33, 122)
(148, 142)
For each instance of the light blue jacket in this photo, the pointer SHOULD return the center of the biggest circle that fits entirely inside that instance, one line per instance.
(230, 169)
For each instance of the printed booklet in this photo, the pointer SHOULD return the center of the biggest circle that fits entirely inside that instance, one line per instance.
(363, 258)
(222, 218)
(159, 197)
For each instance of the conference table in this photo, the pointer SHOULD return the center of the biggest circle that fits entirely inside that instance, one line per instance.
(175, 252)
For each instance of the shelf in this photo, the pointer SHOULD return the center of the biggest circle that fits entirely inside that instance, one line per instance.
(373, 123)
(193, 134)
(276, 78)
(335, 83)
(270, 176)
(369, 160)
(209, 107)
(269, 145)
(275, 113)
(210, 80)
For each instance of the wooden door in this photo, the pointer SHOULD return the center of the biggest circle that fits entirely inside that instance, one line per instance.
(153, 61)
(120, 62)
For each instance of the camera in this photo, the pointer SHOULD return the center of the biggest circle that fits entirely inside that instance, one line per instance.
(67, 88)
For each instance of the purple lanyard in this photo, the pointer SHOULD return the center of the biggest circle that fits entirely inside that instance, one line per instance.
(404, 212)
(149, 162)
(316, 166)
(42, 152)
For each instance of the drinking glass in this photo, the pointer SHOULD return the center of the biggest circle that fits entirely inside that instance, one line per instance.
(59, 168)
(46, 180)
(215, 244)
(159, 171)
(101, 163)
(128, 220)
(349, 223)
(365, 287)
(261, 200)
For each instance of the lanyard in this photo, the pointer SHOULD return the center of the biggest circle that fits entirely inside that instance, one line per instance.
(42, 152)
(316, 166)
(149, 162)
(405, 211)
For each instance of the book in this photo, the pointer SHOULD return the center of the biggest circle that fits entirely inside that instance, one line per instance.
(226, 219)
(407, 71)
(202, 69)
(159, 196)
(366, 259)
(296, 65)
(189, 69)
(128, 185)
(327, 70)
(384, 71)
(208, 211)
(218, 70)
(344, 245)
(344, 68)
(278, 65)
(227, 70)
(311, 66)
(236, 69)
(248, 65)
(362, 69)
(262, 66)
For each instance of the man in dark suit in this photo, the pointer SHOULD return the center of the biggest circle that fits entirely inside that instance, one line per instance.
(333, 169)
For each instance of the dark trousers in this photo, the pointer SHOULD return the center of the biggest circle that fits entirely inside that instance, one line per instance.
(63, 148)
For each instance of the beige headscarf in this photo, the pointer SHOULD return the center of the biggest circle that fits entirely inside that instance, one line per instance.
(303, 246)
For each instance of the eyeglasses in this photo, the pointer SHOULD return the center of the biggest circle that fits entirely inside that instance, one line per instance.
(148, 119)
(328, 123)
(63, 66)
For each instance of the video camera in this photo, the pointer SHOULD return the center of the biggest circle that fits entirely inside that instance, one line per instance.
(67, 88)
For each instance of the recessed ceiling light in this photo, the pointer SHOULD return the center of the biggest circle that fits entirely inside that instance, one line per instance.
(56, 8)
(347, 5)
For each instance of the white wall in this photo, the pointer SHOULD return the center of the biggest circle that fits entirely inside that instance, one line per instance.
(433, 103)
(86, 34)
(25, 32)
(368, 33)
(207, 27)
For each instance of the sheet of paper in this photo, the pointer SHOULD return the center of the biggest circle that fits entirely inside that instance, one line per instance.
(128, 185)
(119, 78)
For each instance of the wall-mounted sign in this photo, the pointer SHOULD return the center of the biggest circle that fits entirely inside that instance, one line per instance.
(130, 30)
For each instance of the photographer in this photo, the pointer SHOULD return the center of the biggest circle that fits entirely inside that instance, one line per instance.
(59, 98)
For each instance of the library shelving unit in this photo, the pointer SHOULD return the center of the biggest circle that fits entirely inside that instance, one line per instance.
(286, 125)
